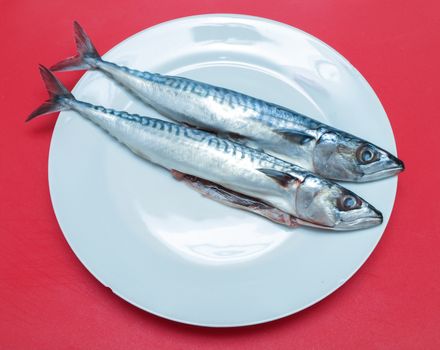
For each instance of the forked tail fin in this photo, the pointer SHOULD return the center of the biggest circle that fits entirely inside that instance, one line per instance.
(86, 55)
(57, 93)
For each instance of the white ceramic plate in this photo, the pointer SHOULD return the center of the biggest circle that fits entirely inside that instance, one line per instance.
(166, 249)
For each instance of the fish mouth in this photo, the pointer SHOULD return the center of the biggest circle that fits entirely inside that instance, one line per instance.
(361, 223)
(374, 218)
(357, 224)
(397, 168)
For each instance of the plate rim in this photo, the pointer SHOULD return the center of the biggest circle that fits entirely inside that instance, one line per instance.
(230, 324)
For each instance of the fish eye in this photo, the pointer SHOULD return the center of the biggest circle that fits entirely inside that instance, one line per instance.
(349, 202)
(366, 154)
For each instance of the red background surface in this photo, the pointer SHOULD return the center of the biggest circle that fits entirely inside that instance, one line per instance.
(48, 300)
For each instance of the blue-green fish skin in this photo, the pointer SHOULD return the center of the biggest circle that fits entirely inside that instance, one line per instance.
(318, 147)
(309, 198)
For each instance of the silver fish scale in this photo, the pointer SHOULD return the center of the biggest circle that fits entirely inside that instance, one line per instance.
(221, 95)
(269, 114)
(209, 107)
(263, 160)
(266, 111)
(277, 130)
(265, 114)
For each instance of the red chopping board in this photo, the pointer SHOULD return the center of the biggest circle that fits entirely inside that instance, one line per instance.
(48, 300)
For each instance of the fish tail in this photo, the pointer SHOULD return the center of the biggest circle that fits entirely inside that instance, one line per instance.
(86, 55)
(57, 95)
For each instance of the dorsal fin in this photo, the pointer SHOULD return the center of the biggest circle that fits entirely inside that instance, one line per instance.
(295, 136)
(280, 177)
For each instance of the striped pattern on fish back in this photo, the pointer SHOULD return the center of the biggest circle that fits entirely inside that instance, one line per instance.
(260, 159)
(268, 113)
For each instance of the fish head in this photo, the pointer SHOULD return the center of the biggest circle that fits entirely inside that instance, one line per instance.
(341, 156)
(325, 204)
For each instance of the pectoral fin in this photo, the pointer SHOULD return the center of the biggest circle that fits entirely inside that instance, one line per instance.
(298, 137)
(280, 177)
(241, 139)
(237, 200)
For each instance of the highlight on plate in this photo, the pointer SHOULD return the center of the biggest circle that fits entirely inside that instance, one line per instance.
(233, 148)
